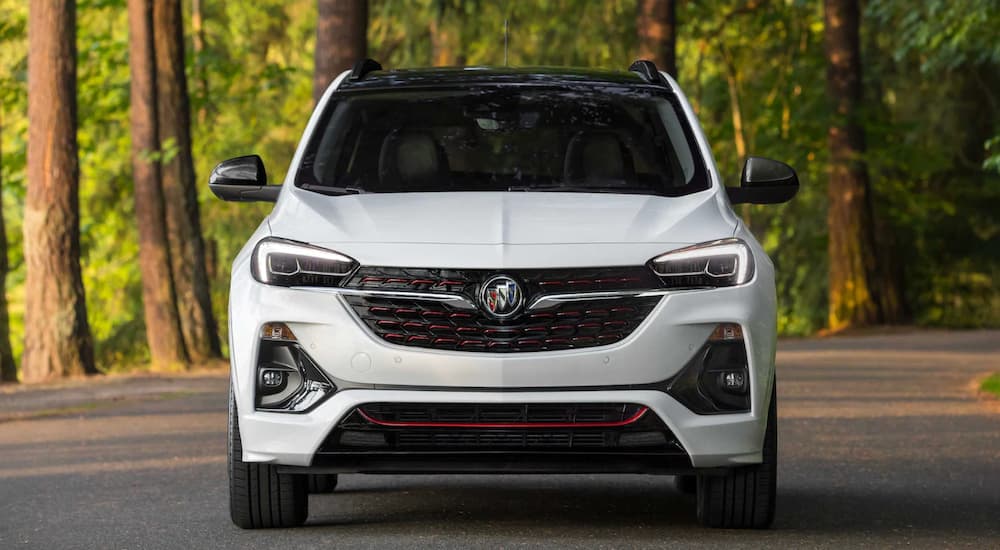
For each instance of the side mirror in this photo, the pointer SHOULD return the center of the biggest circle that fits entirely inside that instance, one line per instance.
(764, 181)
(242, 179)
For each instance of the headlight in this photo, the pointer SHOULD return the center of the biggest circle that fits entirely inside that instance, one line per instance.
(727, 262)
(288, 263)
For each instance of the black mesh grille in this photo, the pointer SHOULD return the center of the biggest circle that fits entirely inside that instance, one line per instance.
(615, 427)
(519, 413)
(435, 325)
(431, 324)
(498, 439)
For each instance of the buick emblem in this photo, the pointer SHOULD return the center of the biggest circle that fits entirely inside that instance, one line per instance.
(501, 297)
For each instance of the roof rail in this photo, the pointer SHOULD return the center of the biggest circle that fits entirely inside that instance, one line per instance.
(648, 71)
(363, 67)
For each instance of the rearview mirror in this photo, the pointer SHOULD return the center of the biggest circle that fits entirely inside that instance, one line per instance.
(242, 179)
(764, 181)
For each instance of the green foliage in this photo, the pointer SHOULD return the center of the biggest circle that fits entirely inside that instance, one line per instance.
(949, 37)
(932, 83)
(991, 384)
(107, 231)
(770, 58)
(14, 106)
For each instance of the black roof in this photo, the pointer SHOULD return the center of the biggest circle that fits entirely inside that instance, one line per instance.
(438, 76)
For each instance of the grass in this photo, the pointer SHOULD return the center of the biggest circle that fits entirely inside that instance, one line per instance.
(992, 384)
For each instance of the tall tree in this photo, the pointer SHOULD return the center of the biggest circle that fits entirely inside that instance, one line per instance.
(198, 44)
(8, 369)
(341, 39)
(163, 329)
(183, 219)
(857, 295)
(657, 28)
(57, 341)
(444, 47)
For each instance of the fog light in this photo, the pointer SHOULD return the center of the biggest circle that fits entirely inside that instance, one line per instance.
(272, 378)
(733, 381)
(717, 379)
(287, 378)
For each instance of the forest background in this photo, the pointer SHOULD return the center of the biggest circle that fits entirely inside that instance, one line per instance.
(756, 72)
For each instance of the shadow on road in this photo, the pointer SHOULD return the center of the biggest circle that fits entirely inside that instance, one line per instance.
(642, 505)
(821, 511)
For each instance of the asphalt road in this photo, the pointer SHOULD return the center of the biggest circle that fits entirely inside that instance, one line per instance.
(882, 443)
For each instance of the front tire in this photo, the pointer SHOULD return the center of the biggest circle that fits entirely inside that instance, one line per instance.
(686, 484)
(745, 497)
(260, 497)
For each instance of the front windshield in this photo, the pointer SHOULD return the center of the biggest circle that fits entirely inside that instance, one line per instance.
(504, 139)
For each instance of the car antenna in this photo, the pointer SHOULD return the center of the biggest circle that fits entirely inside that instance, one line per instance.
(506, 39)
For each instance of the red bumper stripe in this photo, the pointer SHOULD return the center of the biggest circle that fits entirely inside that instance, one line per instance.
(392, 424)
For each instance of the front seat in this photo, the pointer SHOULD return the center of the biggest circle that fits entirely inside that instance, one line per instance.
(412, 160)
(597, 157)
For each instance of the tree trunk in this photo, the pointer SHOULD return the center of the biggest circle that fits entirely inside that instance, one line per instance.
(341, 39)
(855, 296)
(657, 27)
(198, 44)
(442, 51)
(163, 329)
(739, 134)
(57, 338)
(187, 248)
(8, 369)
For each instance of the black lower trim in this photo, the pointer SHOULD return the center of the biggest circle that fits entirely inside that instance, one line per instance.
(498, 463)
(480, 438)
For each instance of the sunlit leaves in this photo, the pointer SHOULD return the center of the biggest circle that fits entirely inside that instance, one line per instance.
(932, 83)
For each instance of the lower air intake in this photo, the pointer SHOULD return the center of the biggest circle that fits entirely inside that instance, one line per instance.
(394, 427)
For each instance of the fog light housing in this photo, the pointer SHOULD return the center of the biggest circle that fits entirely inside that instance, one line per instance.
(273, 379)
(287, 380)
(717, 379)
(733, 381)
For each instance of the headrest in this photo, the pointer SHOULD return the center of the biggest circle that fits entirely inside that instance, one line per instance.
(411, 160)
(598, 157)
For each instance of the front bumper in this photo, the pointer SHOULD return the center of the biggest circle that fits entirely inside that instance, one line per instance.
(710, 441)
(369, 370)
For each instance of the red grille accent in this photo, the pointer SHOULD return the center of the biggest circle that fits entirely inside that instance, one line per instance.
(434, 314)
(505, 425)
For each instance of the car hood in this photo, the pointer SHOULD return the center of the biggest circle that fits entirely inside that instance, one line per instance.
(501, 218)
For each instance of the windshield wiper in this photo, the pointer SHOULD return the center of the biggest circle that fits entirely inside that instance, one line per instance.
(331, 190)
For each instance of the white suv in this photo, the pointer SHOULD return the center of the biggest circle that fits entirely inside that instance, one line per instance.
(493, 270)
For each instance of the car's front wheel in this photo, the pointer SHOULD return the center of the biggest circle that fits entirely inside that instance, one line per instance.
(744, 497)
(686, 484)
(260, 497)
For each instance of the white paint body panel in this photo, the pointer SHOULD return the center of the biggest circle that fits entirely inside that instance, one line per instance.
(501, 231)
